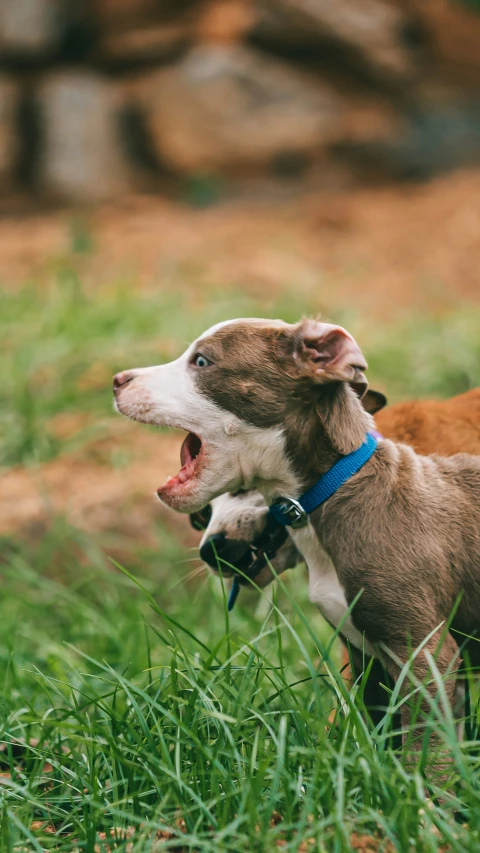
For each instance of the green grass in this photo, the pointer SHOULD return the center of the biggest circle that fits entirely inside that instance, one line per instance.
(473, 4)
(147, 707)
(151, 709)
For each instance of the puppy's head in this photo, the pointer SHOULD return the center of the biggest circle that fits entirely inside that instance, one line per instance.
(251, 394)
(233, 528)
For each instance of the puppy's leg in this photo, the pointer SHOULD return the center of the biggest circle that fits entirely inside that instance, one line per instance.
(416, 712)
(376, 685)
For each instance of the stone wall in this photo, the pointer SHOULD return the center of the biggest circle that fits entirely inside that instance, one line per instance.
(100, 97)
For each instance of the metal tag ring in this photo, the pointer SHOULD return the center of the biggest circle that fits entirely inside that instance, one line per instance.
(294, 511)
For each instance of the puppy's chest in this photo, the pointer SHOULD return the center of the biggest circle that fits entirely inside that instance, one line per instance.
(325, 589)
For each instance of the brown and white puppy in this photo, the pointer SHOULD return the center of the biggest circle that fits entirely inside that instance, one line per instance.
(271, 406)
(232, 522)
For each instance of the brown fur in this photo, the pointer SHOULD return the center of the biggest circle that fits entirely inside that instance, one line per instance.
(404, 532)
(260, 372)
(445, 427)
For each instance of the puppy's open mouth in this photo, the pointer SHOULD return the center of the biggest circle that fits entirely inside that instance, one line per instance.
(190, 456)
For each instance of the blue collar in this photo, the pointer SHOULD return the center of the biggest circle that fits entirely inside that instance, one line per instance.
(293, 513)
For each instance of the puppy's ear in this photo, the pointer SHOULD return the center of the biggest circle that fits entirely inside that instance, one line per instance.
(373, 401)
(324, 354)
(328, 353)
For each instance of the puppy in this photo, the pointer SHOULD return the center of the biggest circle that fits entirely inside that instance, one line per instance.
(233, 523)
(275, 407)
(235, 535)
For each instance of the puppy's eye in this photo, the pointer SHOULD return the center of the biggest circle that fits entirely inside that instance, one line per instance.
(200, 360)
(199, 520)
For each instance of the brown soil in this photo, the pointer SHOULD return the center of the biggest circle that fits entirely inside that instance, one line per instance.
(92, 494)
(382, 249)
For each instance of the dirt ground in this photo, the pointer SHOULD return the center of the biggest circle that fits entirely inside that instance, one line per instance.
(95, 496)
(386, 250)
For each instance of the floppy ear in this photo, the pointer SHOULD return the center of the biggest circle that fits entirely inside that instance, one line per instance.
(325, 354)
(373, 401)
(328, 353)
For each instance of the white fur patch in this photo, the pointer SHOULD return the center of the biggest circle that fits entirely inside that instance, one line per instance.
(236, 454)
(232, 514)
(231, 428)
(325, 589)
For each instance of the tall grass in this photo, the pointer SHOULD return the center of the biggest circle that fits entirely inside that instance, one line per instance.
(150, 713)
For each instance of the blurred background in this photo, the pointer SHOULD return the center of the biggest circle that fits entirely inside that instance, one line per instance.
(199, 98)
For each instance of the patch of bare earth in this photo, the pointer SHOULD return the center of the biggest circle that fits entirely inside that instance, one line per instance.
(382, 249)
(113, 839)
(93, 493)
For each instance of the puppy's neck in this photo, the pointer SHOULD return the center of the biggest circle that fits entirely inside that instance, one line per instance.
(316, 436)
(265, 465)
(336, 426)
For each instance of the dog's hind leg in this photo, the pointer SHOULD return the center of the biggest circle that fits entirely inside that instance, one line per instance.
(376, 685)
(420, 721)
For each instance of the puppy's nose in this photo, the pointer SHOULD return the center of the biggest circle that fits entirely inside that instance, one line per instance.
(219, 547)
(122, 379)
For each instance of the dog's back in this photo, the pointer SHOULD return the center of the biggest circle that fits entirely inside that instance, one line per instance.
(441, 426)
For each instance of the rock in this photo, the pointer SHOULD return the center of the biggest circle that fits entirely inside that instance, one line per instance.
(227, 106)
(438, 138)
(224, 21)
(120, 13)
(372, 119)
(82, 155)
(145, 44)
(123, 14)
(453, 33)
(9, 104)
(370, 29)
(32, 28)
(136, 32)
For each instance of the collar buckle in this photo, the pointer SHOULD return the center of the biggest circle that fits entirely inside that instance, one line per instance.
(292, 511)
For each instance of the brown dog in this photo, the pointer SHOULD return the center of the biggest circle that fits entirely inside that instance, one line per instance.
(274, 407)
(445, 427)
(234, 523)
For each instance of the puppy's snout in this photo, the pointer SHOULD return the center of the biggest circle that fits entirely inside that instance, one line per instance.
(121, 379)
(220, 547)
